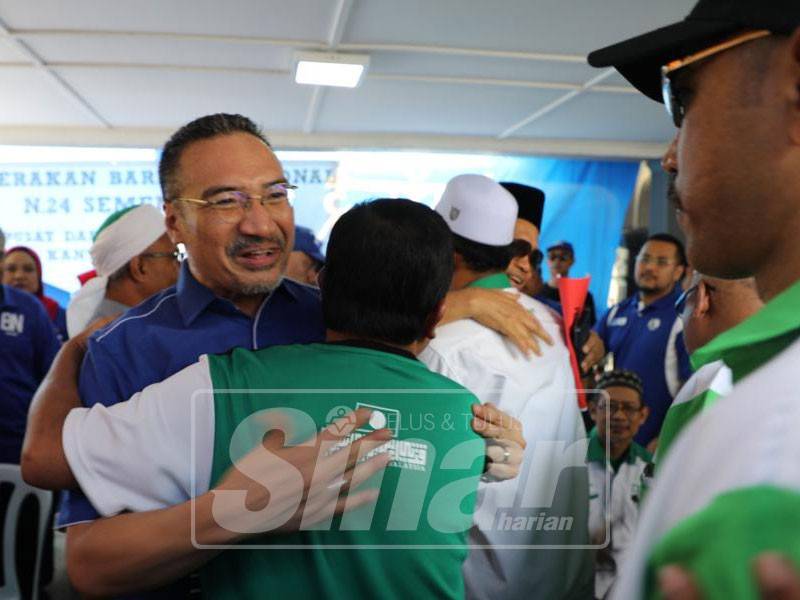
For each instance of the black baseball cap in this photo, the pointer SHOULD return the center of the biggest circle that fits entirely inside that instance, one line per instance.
(530, 201)
(640, 59)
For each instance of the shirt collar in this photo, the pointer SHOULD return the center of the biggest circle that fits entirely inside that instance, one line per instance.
(370, 345)
(596, 451)
(779, 317)
(495, 281)
(667, 302)
(194, 298)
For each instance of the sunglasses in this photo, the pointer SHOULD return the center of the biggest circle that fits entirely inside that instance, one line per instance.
(520, 248)
(675, 98)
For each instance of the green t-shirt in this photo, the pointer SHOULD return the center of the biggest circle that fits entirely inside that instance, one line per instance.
(427, 494)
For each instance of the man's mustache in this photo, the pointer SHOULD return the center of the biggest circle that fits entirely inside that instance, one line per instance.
(246, 242)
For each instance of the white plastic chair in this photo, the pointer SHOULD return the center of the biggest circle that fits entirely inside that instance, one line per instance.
(11, 474)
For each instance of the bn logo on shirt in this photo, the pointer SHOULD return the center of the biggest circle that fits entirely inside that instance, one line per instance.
(12, 323)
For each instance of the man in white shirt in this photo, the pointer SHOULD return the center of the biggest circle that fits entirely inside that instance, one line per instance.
(546, 505)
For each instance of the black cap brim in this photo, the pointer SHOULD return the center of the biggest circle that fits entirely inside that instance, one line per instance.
(640, 59)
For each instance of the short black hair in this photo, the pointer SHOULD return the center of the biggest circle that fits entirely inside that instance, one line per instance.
(389, 263)
(200, 129)
(671, 239)
(482, 257)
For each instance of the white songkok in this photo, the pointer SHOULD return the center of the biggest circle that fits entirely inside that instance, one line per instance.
(122, 236)
(479, 209)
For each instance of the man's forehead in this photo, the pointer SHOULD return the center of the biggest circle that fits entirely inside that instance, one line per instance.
(621, 393)
(525, 230)
(659, 248)
(230, 156)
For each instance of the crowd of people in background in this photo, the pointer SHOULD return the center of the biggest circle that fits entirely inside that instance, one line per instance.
(516, 483)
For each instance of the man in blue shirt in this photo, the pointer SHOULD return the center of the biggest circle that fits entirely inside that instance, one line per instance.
(644, 333)
(28, 345)
(227, 200)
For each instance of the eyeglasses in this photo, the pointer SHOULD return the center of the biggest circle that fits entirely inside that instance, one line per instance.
(231, 205)
(177, 256)
(659, 261)
(520, 248)
(683, 299)
(613, 407)
(675, 98)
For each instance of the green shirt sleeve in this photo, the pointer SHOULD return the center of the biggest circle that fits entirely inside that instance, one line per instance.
(719, 543)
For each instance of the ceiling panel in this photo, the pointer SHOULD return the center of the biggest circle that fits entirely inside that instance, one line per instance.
(27, 97)
(148, 98)
(568, 26)
(599, 116)
(387, 106)
(297, 19)
(155, 50)
(9, 54)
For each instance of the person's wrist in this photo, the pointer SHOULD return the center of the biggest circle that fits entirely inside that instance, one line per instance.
(206, 529)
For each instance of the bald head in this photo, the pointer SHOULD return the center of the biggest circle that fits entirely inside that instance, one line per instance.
(716, 306)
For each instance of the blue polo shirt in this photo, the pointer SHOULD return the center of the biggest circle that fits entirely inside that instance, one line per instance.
(648, 340)
(28, 344)
(169, 331)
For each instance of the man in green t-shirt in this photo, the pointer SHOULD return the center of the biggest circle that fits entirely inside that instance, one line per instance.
(729, 490)
(412, 540)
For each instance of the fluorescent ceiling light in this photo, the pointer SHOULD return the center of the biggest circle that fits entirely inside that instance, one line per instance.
(321, 68)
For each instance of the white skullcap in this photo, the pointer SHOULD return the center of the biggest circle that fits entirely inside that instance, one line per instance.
(121, 237)
(479, 209)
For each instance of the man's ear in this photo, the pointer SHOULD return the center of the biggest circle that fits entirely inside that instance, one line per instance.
(171, 217)
(702, 305)
(136, 269)
(645, 414)
(433, 320)
(794, 125)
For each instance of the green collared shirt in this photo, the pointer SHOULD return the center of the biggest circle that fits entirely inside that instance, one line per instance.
(757, 340)
(498, 281)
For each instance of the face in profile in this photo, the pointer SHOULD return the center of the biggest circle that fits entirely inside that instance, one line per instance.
(523, 274)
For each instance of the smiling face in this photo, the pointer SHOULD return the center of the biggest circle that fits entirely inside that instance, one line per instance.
(20, 272)
(619, 415)
(241, 259)
(735, 159)
(520, 271)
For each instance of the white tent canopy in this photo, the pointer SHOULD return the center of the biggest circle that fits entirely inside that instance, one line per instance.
(461, 75)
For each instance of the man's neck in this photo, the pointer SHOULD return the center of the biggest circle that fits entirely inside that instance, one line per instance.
(463, 277)
(124, 292)
(246, 303)
(779, 273)
(338, 336)
(553, 282)
(647, 298)
(617, 449)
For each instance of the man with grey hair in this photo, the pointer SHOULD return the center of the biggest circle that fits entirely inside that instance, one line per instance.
(132, 258)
